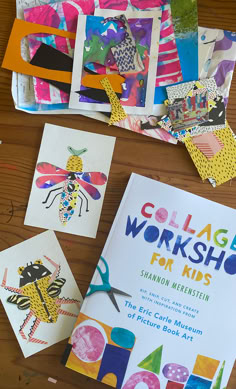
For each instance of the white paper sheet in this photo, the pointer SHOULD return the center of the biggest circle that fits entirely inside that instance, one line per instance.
(51, 319)
(54, 151)
(78, 63)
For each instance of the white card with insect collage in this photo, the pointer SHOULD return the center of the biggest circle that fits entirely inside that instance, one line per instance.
(38, 292)
(70, 181)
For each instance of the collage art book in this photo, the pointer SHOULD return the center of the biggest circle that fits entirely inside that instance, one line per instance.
(159, 311)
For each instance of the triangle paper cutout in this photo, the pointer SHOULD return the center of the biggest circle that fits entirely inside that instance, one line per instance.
(153, 361)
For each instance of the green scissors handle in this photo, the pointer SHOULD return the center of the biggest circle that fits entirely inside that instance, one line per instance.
(105, 287)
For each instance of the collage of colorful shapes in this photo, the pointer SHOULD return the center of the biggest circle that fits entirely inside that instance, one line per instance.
(102, 352)
(106, 50)
(62, 15)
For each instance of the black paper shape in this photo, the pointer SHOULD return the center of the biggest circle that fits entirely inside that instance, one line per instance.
(48, 57)
(60, 85)
(217, 114)
(149, 126)
(96, 94)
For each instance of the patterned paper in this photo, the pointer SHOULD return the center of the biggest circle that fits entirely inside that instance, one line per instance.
(126, 55)
(190, 111)
(223, 62)
(117, 111)
(222, 167)
(62, 15)
(209, 144)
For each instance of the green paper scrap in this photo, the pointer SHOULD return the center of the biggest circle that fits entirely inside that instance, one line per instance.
(217, 384)
(153, 361)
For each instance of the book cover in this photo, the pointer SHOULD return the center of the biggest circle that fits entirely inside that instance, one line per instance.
(160, 308)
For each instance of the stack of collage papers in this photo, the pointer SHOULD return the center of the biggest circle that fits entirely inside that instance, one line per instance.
(142, 65)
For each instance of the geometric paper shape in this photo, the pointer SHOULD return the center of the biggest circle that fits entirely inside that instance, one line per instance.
(88, 343)
(205, 367)
(150, 379)
(14, 61)
(153, 361)
(195, 382)
(94, 81)
(217, 384)
(174, 385)
(175, 372)
(115, 360)
(117, 111)
(208, 144)
(122, 337)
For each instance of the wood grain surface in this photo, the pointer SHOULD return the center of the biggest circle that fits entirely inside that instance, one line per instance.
(21, 136)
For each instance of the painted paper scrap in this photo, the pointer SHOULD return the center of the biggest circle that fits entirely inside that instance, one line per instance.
(205, 367)
(62, 15)
(223, 62)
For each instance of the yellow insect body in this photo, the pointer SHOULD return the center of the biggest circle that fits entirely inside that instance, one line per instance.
(33, 291)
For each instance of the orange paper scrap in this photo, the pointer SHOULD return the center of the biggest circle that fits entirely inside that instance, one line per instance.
(14, 61)
(94, 81)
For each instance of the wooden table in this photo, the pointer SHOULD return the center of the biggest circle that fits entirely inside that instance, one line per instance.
(21, 135)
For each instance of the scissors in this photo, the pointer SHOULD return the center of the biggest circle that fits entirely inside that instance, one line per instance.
(106, 286)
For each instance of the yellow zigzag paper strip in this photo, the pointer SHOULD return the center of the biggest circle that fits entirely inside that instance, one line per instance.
(117, 111)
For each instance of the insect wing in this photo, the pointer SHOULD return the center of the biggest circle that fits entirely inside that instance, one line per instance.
(22, 302)
(95, 178)
(55, 288)
(91, 190)
(45, 182)
(48, 168)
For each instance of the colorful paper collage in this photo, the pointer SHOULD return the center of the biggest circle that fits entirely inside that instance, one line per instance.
(62, 15)
(208, 144)
(190, 111)
(216, 107)
(169, 69)
(222, 166)
(70, 181)
(96, 38)
(105, 356)
(38, 292)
